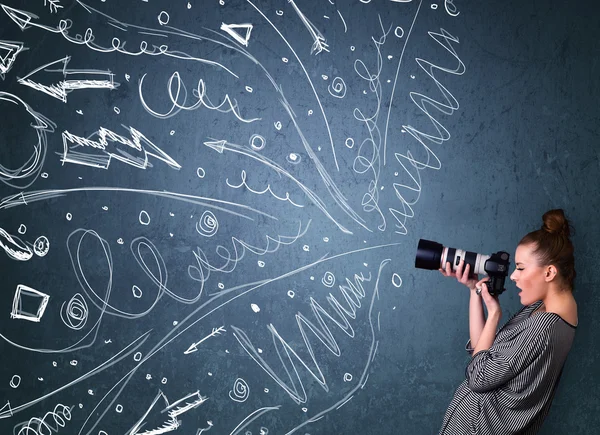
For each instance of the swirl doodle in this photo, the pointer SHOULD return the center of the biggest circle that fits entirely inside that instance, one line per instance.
(75, 314)
(208, 225)
(337, 88)
(328, 279)
(240, 392)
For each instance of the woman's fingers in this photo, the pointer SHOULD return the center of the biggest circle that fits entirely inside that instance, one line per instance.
(481, 281)
(465, 276)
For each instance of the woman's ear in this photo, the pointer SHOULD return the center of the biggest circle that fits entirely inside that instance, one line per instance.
(550, 273)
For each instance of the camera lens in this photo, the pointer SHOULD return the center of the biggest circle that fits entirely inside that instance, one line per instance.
(429, 255)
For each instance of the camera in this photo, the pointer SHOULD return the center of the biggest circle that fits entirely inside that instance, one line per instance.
(433, 256)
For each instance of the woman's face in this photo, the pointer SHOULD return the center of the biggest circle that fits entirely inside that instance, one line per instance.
(528, 276)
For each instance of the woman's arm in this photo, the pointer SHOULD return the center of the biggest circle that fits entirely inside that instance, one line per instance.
(494, 313)
(476, 317)
(488, 332)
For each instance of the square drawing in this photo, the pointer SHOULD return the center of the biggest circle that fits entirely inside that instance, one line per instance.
(33, 300)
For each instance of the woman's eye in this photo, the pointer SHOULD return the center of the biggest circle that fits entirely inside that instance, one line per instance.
(519, 268)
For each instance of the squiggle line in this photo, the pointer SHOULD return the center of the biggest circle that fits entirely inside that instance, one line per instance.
(353, 293)
(26, 19)
(199, 93)
(202, 271)
(372, 352)
(223, 145)
(268, 189)
(42, 426)
(444, 39)
(362, 163)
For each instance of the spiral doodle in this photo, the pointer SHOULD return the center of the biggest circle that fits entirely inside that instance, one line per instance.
(75, 314)
(208, 225)
(328, 279)
(240, 391)
(337, 88)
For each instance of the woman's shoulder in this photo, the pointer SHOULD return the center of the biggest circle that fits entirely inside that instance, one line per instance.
(529, 321)
(524, 312)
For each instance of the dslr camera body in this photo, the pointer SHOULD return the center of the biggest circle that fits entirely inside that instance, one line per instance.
(433, 256)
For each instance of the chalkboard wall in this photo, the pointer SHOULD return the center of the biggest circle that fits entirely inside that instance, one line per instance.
(209, 210)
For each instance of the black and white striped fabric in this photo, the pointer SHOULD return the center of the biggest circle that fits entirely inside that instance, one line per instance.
(509, 388)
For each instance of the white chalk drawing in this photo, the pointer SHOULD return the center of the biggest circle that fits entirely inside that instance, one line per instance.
(74, 79)
(15, 381)
(194, 346)
(54, 5)
(337, 88)
(161, 404)
(33, 166)
(285, 178)
(244, 184)
(234, 31)
(52, 422)
(240, 391)
(75, 314)
(451, 8)
(34, 299)
(319, 43)
(208, 224)
(205, 429)
(9, 50)
(179, 98)
(163, 18)
(144, 218)
(328, 279)
(14, 247)
(100, 152)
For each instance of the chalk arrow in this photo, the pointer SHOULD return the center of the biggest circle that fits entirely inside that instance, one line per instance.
(73, 79)
(194, 347)
(22, 18)
(174, 410)
(98, 153)
(6, 411)
(8, 53)
(217, 145)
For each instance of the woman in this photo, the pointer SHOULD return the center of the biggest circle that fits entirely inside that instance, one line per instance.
(512, 376)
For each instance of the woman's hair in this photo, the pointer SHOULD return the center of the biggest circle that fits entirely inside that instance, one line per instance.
(553, 245)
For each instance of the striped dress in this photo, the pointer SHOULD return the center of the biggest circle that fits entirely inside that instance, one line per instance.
(509, 388)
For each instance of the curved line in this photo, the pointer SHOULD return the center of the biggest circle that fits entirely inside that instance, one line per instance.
(308, 78)
(253, 416)
(396, 80)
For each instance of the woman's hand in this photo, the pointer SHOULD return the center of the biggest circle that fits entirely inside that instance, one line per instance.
(491, 302)
(462, 274)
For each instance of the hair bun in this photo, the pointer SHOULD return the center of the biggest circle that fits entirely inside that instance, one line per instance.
(555, 222)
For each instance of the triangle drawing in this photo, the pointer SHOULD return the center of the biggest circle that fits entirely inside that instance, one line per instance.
(8, 53)
(237, 32)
